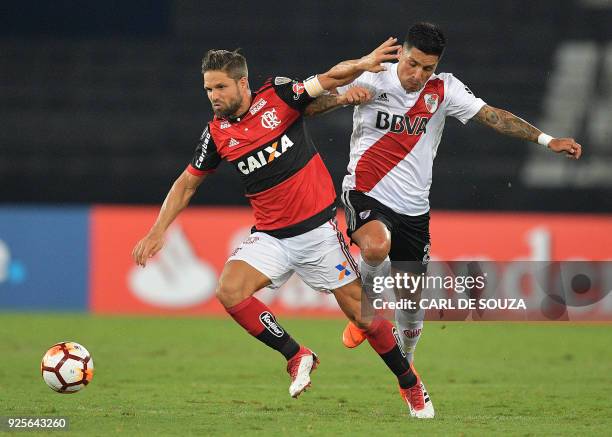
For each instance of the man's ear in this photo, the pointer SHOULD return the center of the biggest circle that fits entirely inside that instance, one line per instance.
(244, 82)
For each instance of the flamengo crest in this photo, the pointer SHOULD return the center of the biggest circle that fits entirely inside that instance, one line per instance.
(269, 119)
(431, 102)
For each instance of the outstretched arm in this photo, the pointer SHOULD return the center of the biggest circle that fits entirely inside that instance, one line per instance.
(347, 71)
(323, 104)
(353, 96)
(177, 199)
(509, 124)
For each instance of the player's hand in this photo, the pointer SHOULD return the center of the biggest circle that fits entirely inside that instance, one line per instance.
(568, 146)
(355, 96)
(147, 248)
(386, 52)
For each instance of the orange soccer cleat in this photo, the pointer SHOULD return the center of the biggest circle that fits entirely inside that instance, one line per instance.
(352, 336)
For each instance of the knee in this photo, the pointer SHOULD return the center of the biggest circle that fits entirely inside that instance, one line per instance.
(230, 292)
(376, 250)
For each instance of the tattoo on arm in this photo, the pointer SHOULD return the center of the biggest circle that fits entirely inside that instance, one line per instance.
(507, 123)
(321, 105)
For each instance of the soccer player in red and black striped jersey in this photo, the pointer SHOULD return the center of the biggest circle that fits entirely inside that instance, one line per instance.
(263, 135)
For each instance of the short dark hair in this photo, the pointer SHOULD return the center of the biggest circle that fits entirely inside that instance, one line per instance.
(232, 63)
(426, 37)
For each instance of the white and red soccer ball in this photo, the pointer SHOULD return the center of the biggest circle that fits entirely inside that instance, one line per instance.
(67, 367)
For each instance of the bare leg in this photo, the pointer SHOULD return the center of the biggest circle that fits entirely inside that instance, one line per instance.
(239, 280)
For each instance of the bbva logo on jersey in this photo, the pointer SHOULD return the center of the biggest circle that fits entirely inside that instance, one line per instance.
(401, 123)
(259, 159)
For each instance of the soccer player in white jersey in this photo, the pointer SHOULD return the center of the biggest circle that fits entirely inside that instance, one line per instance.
(397, 127)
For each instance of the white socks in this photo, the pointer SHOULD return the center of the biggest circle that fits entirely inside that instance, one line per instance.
(409, 325)
(368, 273)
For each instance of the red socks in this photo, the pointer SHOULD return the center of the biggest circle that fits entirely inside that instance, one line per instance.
(381, 337)
(254, 316)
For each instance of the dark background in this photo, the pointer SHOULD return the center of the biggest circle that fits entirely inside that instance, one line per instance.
(103, 102)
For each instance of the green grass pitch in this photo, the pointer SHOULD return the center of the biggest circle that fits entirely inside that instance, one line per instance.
(197, 376)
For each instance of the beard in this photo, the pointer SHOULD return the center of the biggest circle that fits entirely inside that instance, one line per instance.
(230, 109)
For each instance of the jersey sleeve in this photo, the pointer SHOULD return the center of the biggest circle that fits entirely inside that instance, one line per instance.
(462, 103)
(292, 92)
(206, 157)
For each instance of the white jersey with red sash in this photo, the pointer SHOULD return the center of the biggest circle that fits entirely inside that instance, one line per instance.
(396, 136)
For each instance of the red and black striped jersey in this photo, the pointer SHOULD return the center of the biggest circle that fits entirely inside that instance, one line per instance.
(285, 179)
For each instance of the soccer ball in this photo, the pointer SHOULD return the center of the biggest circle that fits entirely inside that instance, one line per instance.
(67, 367)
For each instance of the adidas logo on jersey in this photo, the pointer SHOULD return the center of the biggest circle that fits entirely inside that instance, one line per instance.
(259, 159)
(383, 97)
(401, 123)
(233, 142)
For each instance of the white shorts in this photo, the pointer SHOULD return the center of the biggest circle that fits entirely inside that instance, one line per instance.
(319, 257)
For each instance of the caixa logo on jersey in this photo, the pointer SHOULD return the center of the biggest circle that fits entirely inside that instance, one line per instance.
(265, 156)
(397, 124)
(269, 322)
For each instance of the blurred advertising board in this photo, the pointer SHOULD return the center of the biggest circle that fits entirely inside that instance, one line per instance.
(44, 258)
(182, 278)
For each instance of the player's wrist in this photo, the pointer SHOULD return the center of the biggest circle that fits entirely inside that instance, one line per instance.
(313, 87)
(363, 63)
(544, 139)
(156, 233)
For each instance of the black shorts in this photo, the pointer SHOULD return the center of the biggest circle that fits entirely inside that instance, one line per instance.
(410, 240)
